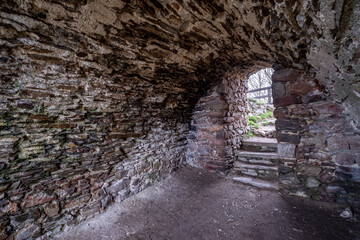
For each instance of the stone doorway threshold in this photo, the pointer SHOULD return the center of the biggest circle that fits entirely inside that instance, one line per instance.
(193, 205)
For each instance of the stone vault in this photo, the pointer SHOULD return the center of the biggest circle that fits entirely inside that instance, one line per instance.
(96, 97)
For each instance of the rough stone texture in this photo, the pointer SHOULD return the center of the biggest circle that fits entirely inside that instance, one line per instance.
(218, 125)
(96, 96)
(286, 150)
(320, 163)
(193, 204)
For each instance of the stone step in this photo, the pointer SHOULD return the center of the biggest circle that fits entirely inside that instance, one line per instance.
(263, 155)
(255, 166)
(258, 144)
(256, 183)
(261, 141)
(255, 170)
(262, 158)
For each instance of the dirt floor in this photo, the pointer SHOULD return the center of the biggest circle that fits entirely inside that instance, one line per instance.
(193, 204)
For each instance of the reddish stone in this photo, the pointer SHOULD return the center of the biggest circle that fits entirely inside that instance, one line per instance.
(328, 108)
(284, 101)
(325, 177)
(13, 207)
(301, 88)
(33, 199)
(7, 207)
(281, 113)
(337, 142)
(282, 124)
(97, 183)
(313, 97)
(42, 118)
(301, 111)
(65, 192)
(286, 75)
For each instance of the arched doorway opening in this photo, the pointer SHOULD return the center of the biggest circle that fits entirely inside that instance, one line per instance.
(317, 156)
(256, 161)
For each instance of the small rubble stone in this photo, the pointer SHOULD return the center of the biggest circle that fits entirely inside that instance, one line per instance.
(312, 182)
(52, 209)
(347, 213)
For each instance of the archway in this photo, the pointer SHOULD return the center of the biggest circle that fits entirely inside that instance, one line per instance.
(317, 156)
(97, 97)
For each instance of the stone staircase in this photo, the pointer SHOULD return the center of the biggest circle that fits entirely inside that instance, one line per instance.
(256, 163)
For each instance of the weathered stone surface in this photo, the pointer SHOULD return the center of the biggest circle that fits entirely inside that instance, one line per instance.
(30, 232)
(90, 88)
(52, 209)
(284, 101)
(324, 108)
(312, 182)
(286, 75)
(346, 159)
(218, 124)
(278, 90)
(286, 150)
(337, 142)
(281, 113)
(33, 199)
(287, 125)
(316, 127)
(302, 88)
(290, 138)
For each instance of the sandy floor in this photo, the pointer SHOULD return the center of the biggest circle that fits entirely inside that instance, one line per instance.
(193, 204)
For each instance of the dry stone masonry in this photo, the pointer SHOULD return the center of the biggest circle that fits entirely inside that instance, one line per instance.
(97, 97)
(218, 124)
(318, 143)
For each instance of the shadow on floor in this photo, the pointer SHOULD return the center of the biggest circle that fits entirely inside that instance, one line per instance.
(193, 204)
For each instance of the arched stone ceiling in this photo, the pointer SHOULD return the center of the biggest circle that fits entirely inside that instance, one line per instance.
(185, 43)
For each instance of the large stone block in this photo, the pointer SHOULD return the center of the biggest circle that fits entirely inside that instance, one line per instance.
(37, 198)
(354, 142)
(337, 142)
(346, 158)
(328, 108)
(278, 90)
(52, 209)
(301, 88)
(286, 75)
(285, 101)
(281, 113)
(286, 150)
(286, 125)
(289, 138)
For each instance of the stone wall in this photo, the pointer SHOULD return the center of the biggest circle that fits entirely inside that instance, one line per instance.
(218, 125)
(96, 96)
(318, 142)
(70, 144)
